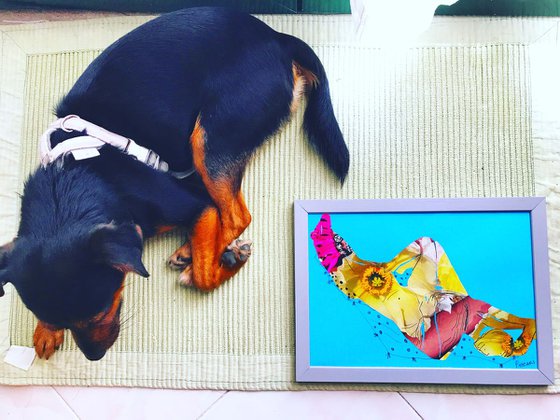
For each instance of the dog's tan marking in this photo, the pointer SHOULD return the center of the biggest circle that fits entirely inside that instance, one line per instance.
(303, 80)
(47, 339)
(218, 226)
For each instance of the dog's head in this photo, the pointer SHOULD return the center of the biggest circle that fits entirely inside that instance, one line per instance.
(75, 280)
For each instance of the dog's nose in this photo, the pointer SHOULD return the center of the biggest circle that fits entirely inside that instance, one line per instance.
(95, 355)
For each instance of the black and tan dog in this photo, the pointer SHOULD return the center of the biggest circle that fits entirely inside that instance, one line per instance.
(203, 88)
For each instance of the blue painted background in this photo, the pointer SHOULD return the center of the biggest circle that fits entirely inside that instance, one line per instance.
(491, 253)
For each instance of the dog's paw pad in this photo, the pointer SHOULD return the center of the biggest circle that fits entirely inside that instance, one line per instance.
(229, 258)
(238, 252)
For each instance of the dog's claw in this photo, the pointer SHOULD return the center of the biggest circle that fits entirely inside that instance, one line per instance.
(236, 253)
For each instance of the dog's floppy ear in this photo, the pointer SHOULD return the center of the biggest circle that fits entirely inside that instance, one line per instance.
(119, 246)
(5, 251)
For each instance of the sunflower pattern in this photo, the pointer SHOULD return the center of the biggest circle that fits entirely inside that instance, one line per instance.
(377, 280)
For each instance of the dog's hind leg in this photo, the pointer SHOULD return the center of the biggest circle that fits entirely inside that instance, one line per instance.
(217, 254)
(233, 258)
(245, 111)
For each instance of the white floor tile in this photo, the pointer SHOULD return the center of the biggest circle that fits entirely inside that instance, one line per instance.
(137, 403)
(322, 405)
(492, 407)
(33, 402)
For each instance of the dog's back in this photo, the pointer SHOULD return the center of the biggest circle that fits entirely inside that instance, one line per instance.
(152, 84)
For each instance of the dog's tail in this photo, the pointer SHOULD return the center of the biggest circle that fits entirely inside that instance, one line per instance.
(319, 121)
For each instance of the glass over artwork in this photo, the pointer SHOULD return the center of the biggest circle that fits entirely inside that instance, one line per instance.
(447, 290)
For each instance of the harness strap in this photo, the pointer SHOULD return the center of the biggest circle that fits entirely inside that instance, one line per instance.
(87, 146)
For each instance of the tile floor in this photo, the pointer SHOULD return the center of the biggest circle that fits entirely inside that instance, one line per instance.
(34, 402)
(137, 403)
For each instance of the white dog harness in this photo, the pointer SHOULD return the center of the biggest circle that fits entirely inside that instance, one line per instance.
(87, 146)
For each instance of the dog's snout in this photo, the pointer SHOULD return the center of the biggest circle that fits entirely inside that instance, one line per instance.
(92, 350)
(95, 340)
(94, 355)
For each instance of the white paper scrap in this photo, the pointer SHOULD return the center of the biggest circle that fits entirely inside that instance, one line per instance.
(20, 357)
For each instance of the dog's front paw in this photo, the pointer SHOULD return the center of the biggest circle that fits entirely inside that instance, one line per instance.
(182, 260)
(237, 253)
(46, 340)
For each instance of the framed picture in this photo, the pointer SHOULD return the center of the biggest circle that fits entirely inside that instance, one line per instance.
(423, 291)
